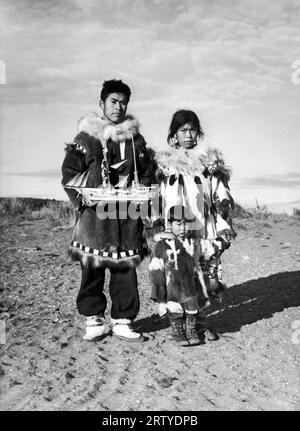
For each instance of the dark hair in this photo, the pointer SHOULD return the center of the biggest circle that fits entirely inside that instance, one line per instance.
(182, 117)
(114, 86)
(179, 213)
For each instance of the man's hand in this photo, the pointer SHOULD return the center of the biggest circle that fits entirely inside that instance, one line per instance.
(86, 199)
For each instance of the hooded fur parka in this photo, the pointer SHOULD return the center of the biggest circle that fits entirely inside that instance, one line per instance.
(195, 180)
(118, 240)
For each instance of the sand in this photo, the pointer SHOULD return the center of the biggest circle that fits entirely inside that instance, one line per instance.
(45, 364)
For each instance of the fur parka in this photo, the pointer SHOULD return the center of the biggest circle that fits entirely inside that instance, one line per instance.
(116, 241)
(197, 182)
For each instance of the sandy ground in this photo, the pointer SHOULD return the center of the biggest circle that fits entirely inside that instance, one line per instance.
(255, 365)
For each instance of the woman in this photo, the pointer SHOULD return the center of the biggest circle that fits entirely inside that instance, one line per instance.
(185, 267)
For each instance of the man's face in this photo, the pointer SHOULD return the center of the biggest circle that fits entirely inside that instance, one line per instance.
(114, 107)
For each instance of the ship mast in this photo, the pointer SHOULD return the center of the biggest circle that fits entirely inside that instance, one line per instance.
(105, 168)
(136, 178)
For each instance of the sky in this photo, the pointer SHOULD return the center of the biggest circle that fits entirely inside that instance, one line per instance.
(236, 63)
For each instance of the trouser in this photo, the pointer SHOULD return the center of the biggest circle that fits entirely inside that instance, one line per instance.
(123, 291)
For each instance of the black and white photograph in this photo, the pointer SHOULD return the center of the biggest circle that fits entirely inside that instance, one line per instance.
(150, 208)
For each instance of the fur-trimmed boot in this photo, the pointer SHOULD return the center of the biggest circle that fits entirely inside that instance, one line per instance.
(122, 329)
(191, 330)
(96, 328)
(204, 332)
(178, 329)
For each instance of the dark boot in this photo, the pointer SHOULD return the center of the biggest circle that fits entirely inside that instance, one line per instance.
(191, 330)
(204, 332)
(211, 334)
(177, 325)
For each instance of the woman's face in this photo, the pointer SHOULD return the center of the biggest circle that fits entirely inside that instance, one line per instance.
(187, 136)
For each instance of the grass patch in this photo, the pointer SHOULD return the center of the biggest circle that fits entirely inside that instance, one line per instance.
(61, 213)
(58, 213)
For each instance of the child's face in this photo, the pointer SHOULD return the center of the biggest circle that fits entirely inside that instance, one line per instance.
(177, 227)
(187, 136)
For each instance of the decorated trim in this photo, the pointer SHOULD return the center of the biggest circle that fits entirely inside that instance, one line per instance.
(211, 270)
(113, 255)
(79, 147)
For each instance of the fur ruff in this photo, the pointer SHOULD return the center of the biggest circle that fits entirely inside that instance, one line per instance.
(193, 161)
(120, 321)
(89, 260)
(101, 129)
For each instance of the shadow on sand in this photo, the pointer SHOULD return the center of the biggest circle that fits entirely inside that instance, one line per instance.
(254, 300)
(151, 324)
(244, 304)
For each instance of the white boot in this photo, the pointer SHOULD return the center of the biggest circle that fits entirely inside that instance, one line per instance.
(95, 328)
(121, 328)
(162, 309)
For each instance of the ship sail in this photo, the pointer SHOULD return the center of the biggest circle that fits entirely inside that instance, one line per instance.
(117, 165)
(73, 180)
(122, 184)
(79, 180)
(85, 178)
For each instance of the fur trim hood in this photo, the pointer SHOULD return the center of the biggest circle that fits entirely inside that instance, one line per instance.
(98, 127)
(190, 162)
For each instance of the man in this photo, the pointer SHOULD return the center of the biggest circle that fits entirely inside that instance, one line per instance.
(103, 149)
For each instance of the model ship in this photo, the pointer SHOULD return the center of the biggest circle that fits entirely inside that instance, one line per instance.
(107, 192)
